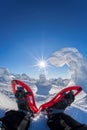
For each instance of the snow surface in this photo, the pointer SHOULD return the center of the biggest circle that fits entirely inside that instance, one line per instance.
(78, 110)
(76, 63)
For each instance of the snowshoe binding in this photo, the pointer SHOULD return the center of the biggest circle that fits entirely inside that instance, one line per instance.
(61, 105)
(21, 98)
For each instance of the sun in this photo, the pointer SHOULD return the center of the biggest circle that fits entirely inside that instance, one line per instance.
(42, 64)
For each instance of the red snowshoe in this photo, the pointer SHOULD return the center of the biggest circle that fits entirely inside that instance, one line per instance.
(62, 104)
(24, 97)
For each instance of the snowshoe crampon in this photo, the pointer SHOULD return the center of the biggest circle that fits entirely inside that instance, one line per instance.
(26, 101)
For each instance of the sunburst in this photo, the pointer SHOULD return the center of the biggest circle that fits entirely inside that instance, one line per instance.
(42, 65)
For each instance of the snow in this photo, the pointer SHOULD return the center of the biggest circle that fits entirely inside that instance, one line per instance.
(76, 63)
(78, 70)
(39, 123)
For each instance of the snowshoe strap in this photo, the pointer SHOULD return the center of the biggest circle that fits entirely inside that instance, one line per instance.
(2, 126)
(54, 111)
(15, 120)
(24, 123)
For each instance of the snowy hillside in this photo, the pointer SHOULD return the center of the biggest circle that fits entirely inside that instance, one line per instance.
(45, 89)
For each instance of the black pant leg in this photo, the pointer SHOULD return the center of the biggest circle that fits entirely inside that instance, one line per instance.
(13, 120)
(62, 121)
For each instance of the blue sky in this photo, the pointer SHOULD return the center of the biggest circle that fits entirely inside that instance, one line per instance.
(30, 29)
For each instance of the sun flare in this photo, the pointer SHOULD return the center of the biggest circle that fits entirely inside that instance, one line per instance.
(42, 64)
